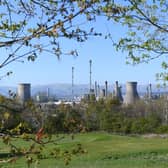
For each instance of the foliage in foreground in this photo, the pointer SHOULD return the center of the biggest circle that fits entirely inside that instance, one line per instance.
(25, 25)
(33, 150)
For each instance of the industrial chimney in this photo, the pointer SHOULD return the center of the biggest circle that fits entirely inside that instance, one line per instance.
(106, 89)
(131, 93)
(90, 65)
(96, 89)
(24, 92)
(150, 91)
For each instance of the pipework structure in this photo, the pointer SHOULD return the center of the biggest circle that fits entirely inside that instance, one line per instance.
(24, 93)
(117, 92)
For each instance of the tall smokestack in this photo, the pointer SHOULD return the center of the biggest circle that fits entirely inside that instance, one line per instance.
(131, 93)
(116, 89)
(150, 91)
(95, 88)
(98, 90)
(90, 66)
(106, 88)
(72, 82)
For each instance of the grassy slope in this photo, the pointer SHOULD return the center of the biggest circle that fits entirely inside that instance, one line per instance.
(107, 151)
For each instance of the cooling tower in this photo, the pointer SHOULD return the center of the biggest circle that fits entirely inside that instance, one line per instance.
(24, 92)
(117, 92)
(131, 93)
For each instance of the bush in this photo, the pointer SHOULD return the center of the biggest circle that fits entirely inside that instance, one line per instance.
(126, 126)
(55, 123)
(147, 124)
(162, 129)
(139, 126)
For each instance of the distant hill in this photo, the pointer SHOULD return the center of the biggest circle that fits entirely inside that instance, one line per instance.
(65, 90)
(61, 90)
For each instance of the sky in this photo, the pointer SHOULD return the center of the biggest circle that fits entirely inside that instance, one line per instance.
(107, 64)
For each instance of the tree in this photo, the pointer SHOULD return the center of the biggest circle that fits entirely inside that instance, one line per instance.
(30, 27)
(147, 35)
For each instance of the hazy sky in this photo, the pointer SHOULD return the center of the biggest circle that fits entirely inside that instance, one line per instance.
(107, 64)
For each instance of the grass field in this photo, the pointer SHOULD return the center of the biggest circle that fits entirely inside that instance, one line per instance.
(105, 151)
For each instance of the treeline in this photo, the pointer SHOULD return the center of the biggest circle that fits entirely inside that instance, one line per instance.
(111, 116)
(150, 116)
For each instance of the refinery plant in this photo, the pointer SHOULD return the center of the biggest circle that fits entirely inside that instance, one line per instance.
(95, 91)
(98, 92)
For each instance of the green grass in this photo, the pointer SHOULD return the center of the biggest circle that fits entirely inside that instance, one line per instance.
(104, 151)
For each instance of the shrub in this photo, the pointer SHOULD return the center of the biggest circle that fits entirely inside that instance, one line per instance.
(162, 129)
(54, 123)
